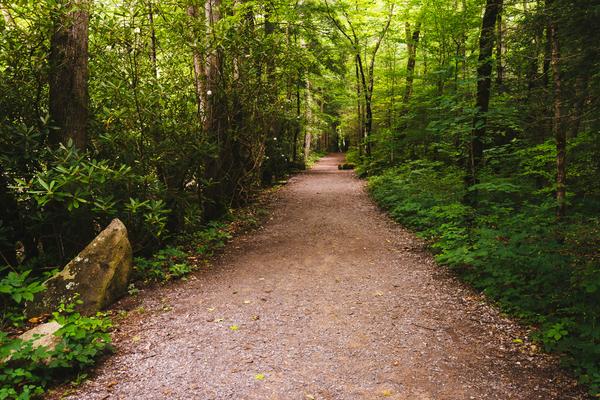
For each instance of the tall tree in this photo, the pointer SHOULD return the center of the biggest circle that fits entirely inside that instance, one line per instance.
(69, 72)
(366, 73)
(558, 129)
(484, 83)
(412, 41)
(198, 63)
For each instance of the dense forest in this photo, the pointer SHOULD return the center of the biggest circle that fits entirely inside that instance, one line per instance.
(474, 121)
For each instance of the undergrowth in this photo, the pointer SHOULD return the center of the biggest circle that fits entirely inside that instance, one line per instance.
(512, 248)
(29, 371)
(26, 370)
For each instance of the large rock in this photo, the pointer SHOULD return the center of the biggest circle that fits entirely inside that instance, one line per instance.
(99, 274)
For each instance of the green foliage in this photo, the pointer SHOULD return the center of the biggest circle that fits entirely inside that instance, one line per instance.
(30, 370)
(72, 193)
(166, 264)
(210, 239)
(15, 289)
(177, 262)
(314, 157)
(510, 249)
(16, 286)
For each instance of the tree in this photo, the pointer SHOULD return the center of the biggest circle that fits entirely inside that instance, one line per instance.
(412, 41)
(366, 74)
(69, 73)
(484, 83)
(558, 130)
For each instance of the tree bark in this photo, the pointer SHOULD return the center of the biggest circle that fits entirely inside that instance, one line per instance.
(213, 65)
(484, 83)
(153, 42)
(199, 71)
(359, 109)
(69, 74)
(297, 127)
(557, 124)
(216, 191)
(307, 133)
(412, 41)
(499, 51)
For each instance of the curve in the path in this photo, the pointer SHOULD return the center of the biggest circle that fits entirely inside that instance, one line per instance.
(329, 300)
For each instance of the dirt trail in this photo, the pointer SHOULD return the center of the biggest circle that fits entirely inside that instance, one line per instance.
(331, 300)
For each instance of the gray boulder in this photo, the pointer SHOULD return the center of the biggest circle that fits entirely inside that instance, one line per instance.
(99, 274)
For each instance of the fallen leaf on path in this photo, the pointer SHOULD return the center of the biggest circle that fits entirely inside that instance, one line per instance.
(247, 302)
(234, 327)
(386, 393)
(211, 309)
(259, 377)
(219, 319)
(378, 294)
(255, 318)
(136, 339)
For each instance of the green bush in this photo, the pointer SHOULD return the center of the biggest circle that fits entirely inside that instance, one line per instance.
(510, 247)
(15, 289)
(29, 371)
(164, 265)
(74, 195)
(173, 262)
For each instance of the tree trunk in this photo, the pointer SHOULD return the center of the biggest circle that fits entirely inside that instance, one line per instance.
(297, 130)
(215, 193)
(69, 74)
(546, 67)
(9, 219)
(359, 110)
(307, 133)
(199, 71)
(484, 72)
(499, 51)
(153, 42)
(557, 124)
(213, 65)
(392, 91)
(412, 42)
(369, 89)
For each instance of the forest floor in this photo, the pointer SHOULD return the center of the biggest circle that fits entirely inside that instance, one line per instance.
(328, 300)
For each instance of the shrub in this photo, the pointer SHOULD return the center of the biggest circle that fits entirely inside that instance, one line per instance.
(30, 370)
(511, 248)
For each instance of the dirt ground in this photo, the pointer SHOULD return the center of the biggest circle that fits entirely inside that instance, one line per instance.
(328, 300)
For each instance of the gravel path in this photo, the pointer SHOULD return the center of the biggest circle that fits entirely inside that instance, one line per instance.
(329, 300)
